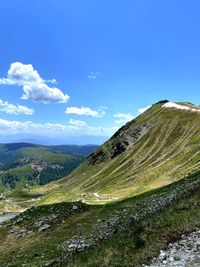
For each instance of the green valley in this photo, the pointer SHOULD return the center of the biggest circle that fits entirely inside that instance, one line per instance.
(23, 164)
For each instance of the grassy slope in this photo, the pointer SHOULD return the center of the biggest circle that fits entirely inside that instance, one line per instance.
(142, 242)
(14, 150)
(138, 245)
(169, 151)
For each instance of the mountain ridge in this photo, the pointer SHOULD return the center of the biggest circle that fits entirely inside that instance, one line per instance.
(148, 172)
(167, 151)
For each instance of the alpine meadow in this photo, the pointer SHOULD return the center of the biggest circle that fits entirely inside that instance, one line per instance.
(100, 133)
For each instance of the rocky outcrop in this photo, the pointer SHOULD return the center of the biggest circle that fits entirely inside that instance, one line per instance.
(37, 219)
(121, 141)
(185, 252)
(43, 223)
(41, 165)
(122, 219)
(44, 227)
(124, 139)
(2, 197)
(162, 102)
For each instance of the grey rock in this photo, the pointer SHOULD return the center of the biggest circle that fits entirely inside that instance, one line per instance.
(18, 232)
(162, 256)
(185, 252)
(38, 223)
(74, 207)
(44, 227)
(2, 197)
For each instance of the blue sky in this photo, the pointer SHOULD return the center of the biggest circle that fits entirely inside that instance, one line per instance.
(108, 58)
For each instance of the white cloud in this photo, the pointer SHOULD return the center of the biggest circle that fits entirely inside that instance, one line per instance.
(10, 127)
(86, 111)
(35, 88)
(14, 110)
(94, 75)
(123, 118)
(78, 123)
(142, 110)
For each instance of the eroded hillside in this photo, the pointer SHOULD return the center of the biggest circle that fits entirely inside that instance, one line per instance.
(155, 149)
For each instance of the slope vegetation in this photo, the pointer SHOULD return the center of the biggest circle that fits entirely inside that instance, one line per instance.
(152, 164)
(77, 234)
(157, 148)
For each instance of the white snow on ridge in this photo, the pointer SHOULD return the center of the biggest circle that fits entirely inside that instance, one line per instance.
(178, 106)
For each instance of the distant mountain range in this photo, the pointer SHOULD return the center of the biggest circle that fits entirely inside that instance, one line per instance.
(46, 140)
(24, 164)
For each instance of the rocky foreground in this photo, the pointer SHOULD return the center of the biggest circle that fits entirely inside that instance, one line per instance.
(184, 253)
(65, 229)
(126, 217)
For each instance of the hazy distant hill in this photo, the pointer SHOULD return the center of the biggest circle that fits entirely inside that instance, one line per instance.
(48, 141)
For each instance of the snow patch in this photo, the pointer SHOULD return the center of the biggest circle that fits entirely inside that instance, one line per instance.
(178, 106)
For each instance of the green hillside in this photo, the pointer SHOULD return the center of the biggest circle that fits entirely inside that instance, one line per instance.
(76, 234)
(139, 191)
(24, 164)
(155, 149)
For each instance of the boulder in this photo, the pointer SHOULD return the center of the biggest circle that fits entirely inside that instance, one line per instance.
(74, 207)
(44, 227)
(2, 197)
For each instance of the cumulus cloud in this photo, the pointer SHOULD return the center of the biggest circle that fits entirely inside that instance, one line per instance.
(35, 88)
(11, 127)
(123, 118)
(86, 111)
(142, 110)
(14, 110)
(94, 75)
